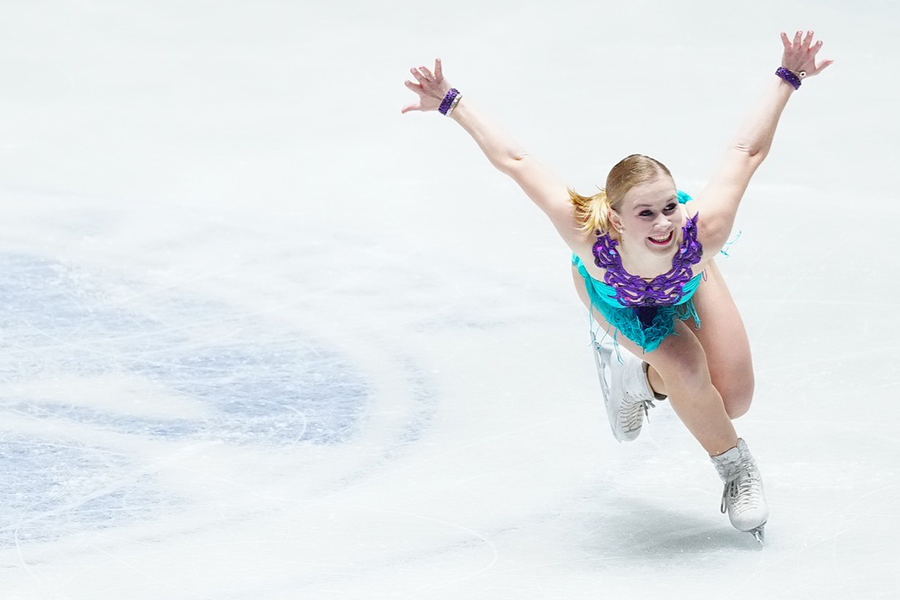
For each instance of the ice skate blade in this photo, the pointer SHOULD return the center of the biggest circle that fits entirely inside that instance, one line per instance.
(759, 534)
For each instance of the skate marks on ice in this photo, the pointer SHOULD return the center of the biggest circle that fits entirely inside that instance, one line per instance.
(93, 390)
(61, 327)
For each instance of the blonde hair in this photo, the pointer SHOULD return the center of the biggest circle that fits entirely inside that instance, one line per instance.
(593, 211)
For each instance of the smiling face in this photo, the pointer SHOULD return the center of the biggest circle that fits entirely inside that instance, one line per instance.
(649, 216)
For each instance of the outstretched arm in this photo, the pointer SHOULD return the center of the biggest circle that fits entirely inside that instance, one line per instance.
(547, 191)
(719, 202)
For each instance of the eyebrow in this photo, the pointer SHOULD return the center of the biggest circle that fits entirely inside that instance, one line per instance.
(652, 205)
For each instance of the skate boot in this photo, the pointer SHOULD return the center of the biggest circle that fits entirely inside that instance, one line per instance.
(743, 497)
(626, 390)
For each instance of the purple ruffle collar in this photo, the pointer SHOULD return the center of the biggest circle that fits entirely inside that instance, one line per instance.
(662, 290)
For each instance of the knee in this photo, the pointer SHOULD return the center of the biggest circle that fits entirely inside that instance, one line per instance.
(686, 365)
(737, 395)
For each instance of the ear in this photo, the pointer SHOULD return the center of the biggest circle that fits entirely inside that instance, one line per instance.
(615, 220)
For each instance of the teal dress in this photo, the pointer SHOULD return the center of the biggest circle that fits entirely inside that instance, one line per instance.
(646, 328)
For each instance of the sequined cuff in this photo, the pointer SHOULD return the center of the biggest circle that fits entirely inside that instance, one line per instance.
(789, 76)
(447, 102)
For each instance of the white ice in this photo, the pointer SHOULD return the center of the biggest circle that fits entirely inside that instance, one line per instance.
(264, 337)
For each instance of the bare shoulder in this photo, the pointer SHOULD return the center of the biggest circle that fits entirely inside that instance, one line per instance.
(708, 230)
(581, 243)
(713, 225)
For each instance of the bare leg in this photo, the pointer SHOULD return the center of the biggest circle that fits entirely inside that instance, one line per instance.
(681, 364)
(725, 342)
(656, 381)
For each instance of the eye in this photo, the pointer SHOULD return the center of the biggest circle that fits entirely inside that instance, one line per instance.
(670, 208)
(645, 213)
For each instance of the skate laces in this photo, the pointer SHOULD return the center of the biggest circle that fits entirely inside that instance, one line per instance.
(637, 404)
(633, 415)
(742, 491)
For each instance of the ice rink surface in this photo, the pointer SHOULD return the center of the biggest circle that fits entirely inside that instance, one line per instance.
(264, 337)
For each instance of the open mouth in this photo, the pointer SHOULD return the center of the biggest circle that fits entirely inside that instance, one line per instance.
(663, 241)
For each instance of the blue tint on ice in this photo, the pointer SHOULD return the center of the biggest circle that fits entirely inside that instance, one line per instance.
(50, 490)
(56, 323)
(258, 389)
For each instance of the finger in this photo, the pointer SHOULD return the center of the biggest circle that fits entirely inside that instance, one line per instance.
(426, 72)
(807, 40)
(419, 77)
(409, 108)
(798, 38)
(785, 41)
(438, 70)
(815, 48)
(825, 63)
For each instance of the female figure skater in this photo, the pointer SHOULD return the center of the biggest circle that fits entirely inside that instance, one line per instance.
(643, 263)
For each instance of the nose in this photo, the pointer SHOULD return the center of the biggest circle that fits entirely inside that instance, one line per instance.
(661, 224)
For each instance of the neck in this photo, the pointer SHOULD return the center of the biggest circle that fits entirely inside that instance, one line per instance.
(643, 263)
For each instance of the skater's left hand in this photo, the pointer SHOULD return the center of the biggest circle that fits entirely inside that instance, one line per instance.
(800, 55)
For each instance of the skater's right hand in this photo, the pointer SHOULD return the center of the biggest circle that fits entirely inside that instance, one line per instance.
(431, 88)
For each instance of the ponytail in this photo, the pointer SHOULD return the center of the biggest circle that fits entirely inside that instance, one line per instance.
(591, 211)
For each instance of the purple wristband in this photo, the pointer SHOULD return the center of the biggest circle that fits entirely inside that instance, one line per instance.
(448, 100)
(788, 76)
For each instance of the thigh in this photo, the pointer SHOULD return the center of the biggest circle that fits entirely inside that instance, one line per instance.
(725, 342)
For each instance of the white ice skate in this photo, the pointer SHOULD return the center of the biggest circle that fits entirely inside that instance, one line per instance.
(626, 391)
(743, 497)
